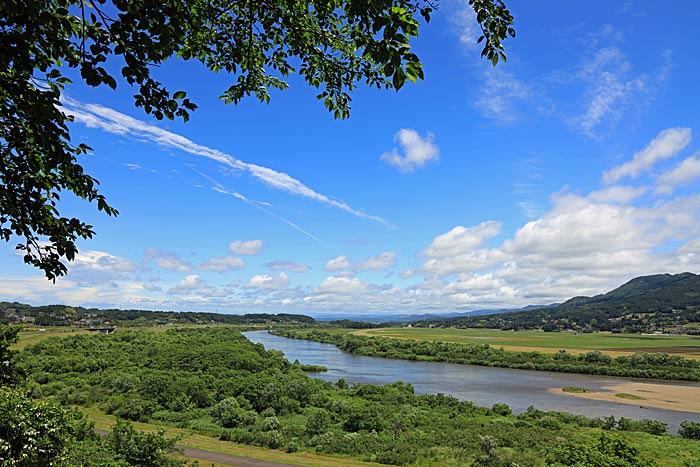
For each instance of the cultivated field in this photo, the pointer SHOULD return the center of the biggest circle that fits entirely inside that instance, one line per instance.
(34, 335)
(549, 342)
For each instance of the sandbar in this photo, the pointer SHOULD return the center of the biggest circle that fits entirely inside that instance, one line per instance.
(657, 395)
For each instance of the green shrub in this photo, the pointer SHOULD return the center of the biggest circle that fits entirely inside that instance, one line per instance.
(690, 430)
(501, 409)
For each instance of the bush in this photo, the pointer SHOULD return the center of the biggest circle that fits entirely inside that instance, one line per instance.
(231, 415)
(653, 427)
(606, 451)
(318, 421)
(128, 407)
(550, 422)
(271, 439)
(270, 424)
(501, 409)
(690, 430)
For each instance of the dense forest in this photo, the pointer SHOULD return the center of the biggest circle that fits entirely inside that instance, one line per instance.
(62, 315)
(649, 303)
(214, 381)
(640, 365)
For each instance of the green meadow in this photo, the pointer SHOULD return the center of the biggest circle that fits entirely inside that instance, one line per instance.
(616, 344)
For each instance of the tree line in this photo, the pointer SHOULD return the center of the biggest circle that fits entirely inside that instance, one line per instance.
(62, 315)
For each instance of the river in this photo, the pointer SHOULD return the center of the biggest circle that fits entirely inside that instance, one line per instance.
(483, 386)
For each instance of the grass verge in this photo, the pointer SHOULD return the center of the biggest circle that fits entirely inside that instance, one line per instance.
(105, 422)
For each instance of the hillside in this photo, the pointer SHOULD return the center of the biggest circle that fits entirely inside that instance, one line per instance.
(648, 303)
(62, 315)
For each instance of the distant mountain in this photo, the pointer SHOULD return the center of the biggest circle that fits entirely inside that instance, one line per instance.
(387, 318)
(642, 304)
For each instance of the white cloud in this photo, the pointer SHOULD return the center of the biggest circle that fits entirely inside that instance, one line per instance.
(167, 260)
(461, 250)
(577, 227)
(477, 260)
(417, 151)
(37, 290)
(226, 263)
(197, 289)
(462, 240)
(341, 285)
(97, 116)
(152, 287)
(610, 89)
(376, 263)
(407, 274)
(684, 173)
(618, 194)
(477, 283)
(463, 17)
(268, 282)
(338, 263)
(666, 145)
(248, 247)
(91, 259)
(382, 261)
(189, 284)
(285, 265)
(500, 94)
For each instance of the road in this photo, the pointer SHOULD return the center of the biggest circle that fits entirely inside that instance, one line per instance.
(229, 459)
(222, 458)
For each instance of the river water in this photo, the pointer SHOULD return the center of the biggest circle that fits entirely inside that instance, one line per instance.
(483, 386)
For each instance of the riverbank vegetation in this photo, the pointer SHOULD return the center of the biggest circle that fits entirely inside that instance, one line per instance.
(546, 342)
(213, 381)
(640, 365)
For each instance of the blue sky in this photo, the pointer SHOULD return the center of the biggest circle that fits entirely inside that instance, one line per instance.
(566, 171)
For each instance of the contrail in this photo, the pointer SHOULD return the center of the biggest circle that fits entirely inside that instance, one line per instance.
(98, 116)
(257, 205)
(219, 188)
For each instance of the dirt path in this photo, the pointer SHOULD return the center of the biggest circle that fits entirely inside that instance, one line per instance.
(228, 459)
(222, 458)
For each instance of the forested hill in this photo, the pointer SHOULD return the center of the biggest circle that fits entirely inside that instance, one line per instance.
(643, 304)
(58, 315)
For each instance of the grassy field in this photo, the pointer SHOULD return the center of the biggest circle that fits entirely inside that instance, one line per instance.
(32, 335)
(549, 342)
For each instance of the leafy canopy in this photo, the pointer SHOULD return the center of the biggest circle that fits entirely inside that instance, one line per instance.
(335, 45)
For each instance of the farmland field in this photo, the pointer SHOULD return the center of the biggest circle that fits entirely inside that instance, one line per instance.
(550, 342)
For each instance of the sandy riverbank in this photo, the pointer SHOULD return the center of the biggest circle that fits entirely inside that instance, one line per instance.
(660, 396)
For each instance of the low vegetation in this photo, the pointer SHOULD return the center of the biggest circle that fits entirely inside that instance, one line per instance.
(575, 390)
(213, 381)
(623, 395)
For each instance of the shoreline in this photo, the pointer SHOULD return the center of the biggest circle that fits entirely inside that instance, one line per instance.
(654, 395)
